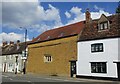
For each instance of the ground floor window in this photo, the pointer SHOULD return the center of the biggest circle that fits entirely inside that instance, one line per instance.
(98, 67)
(10, 65)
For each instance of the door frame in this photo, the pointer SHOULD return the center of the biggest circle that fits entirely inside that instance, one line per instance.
(4, 67)
(73, 70)
(118, 69)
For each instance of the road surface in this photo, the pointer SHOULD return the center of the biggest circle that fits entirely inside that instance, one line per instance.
(8, 78)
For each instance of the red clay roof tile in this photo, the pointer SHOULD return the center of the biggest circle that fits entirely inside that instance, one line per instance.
(61, 32)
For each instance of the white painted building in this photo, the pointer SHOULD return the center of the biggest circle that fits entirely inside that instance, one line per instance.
(98, 52)
(87, 56)
(9, 63)
(13, 57)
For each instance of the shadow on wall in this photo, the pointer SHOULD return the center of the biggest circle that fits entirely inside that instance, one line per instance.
(54, 74)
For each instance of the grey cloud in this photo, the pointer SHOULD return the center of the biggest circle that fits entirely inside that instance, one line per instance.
(16, 14)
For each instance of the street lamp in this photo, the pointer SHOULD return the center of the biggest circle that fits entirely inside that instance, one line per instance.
(24, 68)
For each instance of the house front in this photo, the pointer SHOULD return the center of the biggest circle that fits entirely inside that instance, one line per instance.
(0, 65)
(98, 48)
(13, 59)
(54, 52)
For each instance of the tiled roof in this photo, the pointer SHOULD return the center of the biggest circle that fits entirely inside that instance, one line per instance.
(13, 49)
(91, 33)
(86, 33)
(61, 32)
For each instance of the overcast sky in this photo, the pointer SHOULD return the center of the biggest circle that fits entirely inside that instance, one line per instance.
(38, 16)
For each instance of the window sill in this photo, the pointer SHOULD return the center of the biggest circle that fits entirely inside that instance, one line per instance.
(103, 30)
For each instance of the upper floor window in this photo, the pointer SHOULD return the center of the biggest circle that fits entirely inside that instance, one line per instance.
(103, 25)
(47, 58)
(97, 47)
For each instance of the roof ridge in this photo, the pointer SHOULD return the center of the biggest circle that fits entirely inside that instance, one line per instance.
(65, 26)
(77, 23)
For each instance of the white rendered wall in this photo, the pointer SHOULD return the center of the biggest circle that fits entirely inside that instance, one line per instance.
(119, 49)
(109, 55)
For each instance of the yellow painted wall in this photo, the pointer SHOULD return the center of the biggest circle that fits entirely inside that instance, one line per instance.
(61, 50)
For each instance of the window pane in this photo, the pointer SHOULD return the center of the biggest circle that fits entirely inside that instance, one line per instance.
(104, 68)
(98, 47)
(98, 67)
(101, 26)
(93, 67)
(105, 25)
(93, 48)
(47, 58)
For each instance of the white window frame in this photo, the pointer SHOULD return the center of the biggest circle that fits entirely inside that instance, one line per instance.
(103, 25)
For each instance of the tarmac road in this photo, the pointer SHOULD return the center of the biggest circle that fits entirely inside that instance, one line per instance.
(8, 78)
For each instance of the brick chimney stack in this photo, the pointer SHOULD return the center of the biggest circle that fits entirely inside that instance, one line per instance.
(11, 42)
(88, 17)
(4, 43)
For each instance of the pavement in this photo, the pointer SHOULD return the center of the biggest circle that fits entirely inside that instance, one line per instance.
(35, 78)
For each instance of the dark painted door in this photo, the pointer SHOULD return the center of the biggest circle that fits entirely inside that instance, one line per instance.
(118, 68)
(4, 67)
(73, 68)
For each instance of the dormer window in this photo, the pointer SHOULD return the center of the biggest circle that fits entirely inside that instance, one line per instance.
(103, 25)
